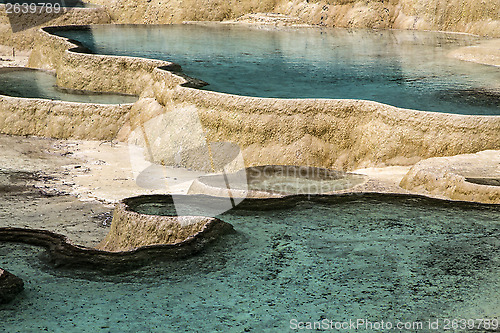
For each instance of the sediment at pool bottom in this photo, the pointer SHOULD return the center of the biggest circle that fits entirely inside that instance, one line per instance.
(359, 256)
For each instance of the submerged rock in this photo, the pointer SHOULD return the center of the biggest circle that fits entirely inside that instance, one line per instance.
(10, 286)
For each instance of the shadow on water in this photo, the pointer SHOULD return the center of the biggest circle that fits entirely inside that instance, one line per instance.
(473, 97)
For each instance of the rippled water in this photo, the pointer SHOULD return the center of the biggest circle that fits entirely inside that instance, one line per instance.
(407, 69)
(378, 258)
(40, 84)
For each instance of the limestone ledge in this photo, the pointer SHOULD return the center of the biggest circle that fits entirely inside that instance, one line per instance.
(10, 286)
(449, 176)
(486, 53)
(131, 230)
(59, 119)
(79, 70)
(336, 134)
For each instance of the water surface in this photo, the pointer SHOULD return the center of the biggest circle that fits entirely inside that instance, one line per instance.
(407, 69)
(385, 258)
(30, 83)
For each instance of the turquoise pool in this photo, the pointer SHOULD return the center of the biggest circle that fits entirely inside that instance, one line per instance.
(407, 69)
(31, 83)
(375, 257)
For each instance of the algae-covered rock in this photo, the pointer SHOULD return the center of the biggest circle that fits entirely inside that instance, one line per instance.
(10, 286)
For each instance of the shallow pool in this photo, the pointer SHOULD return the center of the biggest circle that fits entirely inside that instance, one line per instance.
(407, 69)
(31, 83)
(372, 257)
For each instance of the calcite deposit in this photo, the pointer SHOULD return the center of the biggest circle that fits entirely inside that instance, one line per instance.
(10, 286)
(132, 230)
(337, 134)
(471, 177)
(470, 16)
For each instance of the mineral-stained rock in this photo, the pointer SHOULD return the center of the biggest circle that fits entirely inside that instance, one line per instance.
(63, 253)
(131, 230)
(10, 286)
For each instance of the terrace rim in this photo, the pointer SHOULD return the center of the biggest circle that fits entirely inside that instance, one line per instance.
(66, 254)
(342, 134)
(355, 132)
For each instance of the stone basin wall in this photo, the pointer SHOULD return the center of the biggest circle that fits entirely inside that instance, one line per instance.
(79, 70)
(337, 134)
(449, 176)
(59, 119)
(64, 253)
(131, 230)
